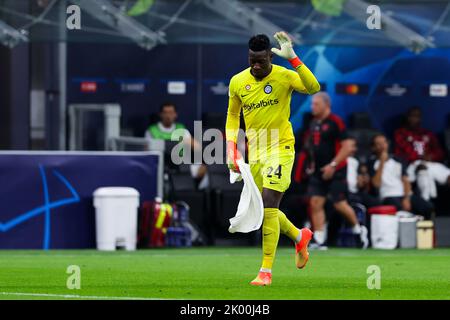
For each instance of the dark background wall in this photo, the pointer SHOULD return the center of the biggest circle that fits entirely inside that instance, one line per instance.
(14, 97)
(204, 67)
(201, 67)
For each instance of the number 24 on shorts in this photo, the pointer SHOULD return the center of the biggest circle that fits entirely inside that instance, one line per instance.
(276, 173)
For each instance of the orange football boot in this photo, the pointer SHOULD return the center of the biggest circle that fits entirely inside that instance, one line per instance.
(301, 248)
(263, 279)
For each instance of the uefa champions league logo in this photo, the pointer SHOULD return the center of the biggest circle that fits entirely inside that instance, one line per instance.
(46, 208)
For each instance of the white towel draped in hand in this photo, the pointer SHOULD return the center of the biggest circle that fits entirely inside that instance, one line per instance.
(250, 211)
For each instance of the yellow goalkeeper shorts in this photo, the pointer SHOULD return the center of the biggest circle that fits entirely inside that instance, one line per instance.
(273, 172)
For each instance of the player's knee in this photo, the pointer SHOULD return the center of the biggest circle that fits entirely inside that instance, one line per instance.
(270, 202)
(271, 198)
(316, 204)
(342, 206)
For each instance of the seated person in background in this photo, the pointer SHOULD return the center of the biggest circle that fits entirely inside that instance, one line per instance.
(358, 180)
(390, 179)
(412, 142)
(163, 130)
(421, 149)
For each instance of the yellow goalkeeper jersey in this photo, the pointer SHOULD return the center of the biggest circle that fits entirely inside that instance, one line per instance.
(266, 107)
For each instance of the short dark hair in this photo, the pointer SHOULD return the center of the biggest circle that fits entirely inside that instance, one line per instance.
(259, 42)
(375, 136)
(412, 109)
(167, 104)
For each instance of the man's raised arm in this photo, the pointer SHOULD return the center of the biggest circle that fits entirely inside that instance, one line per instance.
(306, 82)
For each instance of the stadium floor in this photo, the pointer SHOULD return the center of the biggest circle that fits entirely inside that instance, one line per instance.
(223, 273)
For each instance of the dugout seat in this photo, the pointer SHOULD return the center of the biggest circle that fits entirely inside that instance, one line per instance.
(363, 139)
(447, 140)
(184, 168)
(360, 120)
(218, 168)
(184, 189)
(223, 202)
(214, 120)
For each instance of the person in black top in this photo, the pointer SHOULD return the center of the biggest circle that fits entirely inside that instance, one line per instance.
(328, 147)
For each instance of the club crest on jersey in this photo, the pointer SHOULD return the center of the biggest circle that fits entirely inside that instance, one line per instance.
(268, 89)
(248, 87)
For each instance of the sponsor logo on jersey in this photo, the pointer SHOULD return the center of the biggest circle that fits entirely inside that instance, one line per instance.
(268, 89)
(262, 103)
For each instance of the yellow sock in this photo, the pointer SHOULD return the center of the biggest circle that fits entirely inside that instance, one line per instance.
(271, 234)
(288, 228)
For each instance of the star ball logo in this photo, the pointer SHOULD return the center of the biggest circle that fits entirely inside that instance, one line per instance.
(46, 208)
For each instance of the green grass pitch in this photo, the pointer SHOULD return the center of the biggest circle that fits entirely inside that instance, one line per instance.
(224, 273)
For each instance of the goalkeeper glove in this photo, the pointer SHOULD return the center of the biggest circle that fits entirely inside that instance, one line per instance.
(233, 155)
(286, 51)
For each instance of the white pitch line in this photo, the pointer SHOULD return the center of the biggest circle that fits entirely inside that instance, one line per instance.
(75, 296)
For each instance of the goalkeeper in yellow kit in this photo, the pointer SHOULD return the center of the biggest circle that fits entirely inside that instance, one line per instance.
(263, 92)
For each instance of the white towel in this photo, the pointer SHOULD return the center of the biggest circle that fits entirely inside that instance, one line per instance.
(426, 185)
(425, 178)
(250, 211)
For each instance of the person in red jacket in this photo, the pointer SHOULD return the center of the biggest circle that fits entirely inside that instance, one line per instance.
(412, 142)
(420, 148)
